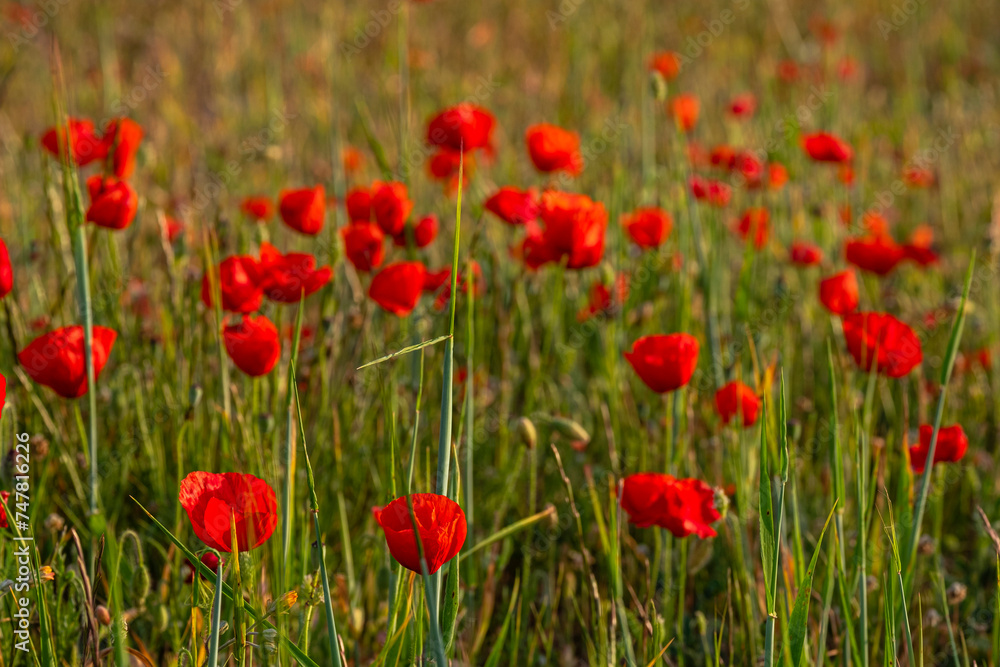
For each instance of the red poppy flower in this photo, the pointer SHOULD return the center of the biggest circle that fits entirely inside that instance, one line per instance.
(919, 247)
(445, 166)
(397, 287)
(84, 144)
(750, 169)
(285, 277)
(875, 254)
(113, 203)
(755, 225)
(433, 281)
(513, 206)
(714, 192)
(839, 292)
(722, 156)
(4, 495)
(359, 205)
(697, 155)
(690, 509)
(682, 506)
(826, 147)
(6, 271)
(803, 253)
(951, 446)
(788, 71)
(643, 497)
(123, 136)
(735, 399)
(304, 210)
(601, 301)
(896, 346)
(174, 228)
(573, 228)
(743, 105)
(239, 284)
(552, 148)
(216, 501)
(57, 359)
(464, 127)
(391, 206)
(424, 232)
(845, 174)
(253, 345)
(684, 108)
(667, 63)
(777, 175)
(648, 227)
(363, 245)
(260, 208)
(352, 159)
(440, 523)
(665, 362)
(918, 177)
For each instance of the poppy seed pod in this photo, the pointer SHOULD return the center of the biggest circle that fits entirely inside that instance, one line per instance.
(526, 432)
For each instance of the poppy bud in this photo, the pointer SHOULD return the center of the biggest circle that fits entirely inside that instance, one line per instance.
(526, 432)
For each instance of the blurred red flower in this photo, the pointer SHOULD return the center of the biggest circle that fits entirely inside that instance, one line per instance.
(303, 210)
(552, 148)
(918, 177)
(839, 292)
(424, 232)
(664, 362)
(737, 399)
(803, 253)
(682, 506)
(573, 228)
(285, 277)
(722, 156)
(513, 206)
(464, 127)
(951, 446)
(352, 159)
(58, 361)
(440, 522)
(253, 345)
(743, 105)
(216, 501)
(647, 227)
(667, 63)
(445, 165)
(880, 340)
(826, 147)
(84, 144)
(397, 287)
(391, 206)
(113, 203)
(875, 254)
(239, 284)
(715, 193)
(123, 136)
(359, 205)
(259, 207)
(6, 271)
(755, 225)
(685, 108)
(363, 245)
(601, 301)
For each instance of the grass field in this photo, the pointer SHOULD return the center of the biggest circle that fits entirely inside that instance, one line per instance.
(799, 198)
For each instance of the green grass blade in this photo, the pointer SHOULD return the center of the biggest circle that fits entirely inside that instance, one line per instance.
(798, 625)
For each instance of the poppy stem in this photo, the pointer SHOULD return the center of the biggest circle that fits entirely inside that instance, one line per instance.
(331, 623)
(238, 611)
(292, 393)
(925, 482)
